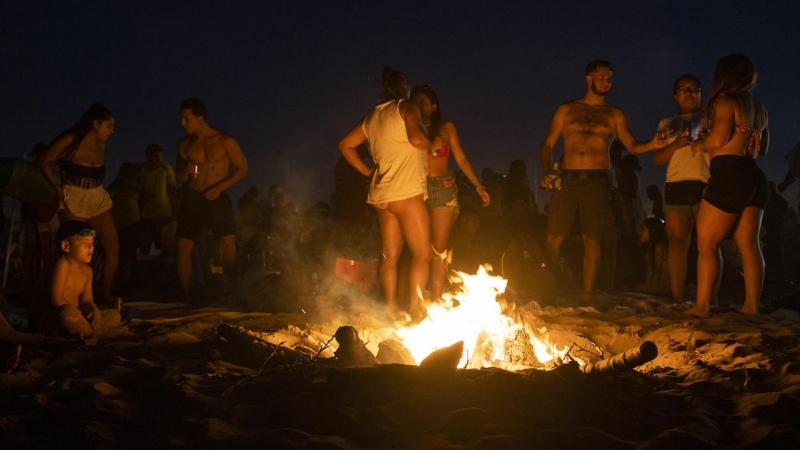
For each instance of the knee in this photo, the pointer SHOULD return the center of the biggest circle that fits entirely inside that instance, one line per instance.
(422, 253)
(705, 246)
(390, 259)
(69, 314)
(591, 242)
(678, 243)
(111, 317)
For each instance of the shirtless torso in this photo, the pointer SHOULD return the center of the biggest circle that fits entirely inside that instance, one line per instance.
(213, 152)
(72, 282)
(587, 132)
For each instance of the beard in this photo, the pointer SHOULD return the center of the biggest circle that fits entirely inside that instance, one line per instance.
(598, 91)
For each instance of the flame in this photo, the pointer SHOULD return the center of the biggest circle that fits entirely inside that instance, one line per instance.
(474, 315)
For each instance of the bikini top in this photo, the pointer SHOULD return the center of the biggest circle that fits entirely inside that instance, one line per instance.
(440, 152)
(82, 176)
(741, 127)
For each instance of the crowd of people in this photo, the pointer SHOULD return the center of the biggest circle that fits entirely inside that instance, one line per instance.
(401, 211)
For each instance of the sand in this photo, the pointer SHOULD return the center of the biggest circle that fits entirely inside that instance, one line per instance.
(728, 381)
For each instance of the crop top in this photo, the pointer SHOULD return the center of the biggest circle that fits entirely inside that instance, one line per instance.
(81, 176)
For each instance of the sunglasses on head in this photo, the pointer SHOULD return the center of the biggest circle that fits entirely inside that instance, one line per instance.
(86, 232)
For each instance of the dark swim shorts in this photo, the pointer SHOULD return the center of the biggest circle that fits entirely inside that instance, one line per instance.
(196, 213)
(736, 182)
(584, 193)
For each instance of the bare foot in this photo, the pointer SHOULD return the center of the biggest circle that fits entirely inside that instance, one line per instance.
(417, 312)
(697, 312)
(751, 310)
(10, 356)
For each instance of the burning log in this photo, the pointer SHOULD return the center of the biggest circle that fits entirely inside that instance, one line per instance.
(627, 360)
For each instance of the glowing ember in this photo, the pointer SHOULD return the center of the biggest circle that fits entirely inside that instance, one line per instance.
(474, 315)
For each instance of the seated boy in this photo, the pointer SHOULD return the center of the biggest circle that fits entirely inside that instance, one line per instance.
(73, 311)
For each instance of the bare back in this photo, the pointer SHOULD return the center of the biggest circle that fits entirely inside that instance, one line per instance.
(738, 116)
(587, 133)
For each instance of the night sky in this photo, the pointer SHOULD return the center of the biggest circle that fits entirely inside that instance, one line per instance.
(288, 78)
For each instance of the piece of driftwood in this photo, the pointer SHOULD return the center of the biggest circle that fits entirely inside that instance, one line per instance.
(391, 351)
(256, 351)
(627, 360)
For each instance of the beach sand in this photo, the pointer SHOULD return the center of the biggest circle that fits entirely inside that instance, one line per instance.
(172, 381)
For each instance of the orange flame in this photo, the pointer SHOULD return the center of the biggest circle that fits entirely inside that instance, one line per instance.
(474, 315)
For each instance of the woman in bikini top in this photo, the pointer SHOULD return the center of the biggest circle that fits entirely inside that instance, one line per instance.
(80, 154)
(734, 201)
(443, 219)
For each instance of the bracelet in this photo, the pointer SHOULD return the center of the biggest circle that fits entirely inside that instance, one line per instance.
(478, 188)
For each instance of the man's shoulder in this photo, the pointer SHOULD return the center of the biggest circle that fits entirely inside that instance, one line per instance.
(223, 136)
(186, 139)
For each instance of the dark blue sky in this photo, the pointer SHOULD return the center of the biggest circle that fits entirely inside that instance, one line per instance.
(289, 78)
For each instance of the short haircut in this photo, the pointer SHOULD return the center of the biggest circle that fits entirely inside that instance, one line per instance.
(596, 64)
(195, 105)
(686, 76)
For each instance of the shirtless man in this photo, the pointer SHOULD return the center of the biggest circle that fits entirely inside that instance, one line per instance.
(205, 157)
(587, 127)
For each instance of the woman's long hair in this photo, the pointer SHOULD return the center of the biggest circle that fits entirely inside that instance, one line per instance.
(97, 112)
(436, 117)
(394, 84)
(733, 74)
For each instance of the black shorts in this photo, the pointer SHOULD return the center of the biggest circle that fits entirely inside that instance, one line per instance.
(736, 182)
(585, 194)
(196, 213)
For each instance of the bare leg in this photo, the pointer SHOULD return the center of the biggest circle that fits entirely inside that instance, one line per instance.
(107, 234)
(230, 262)
(712, 226)
(71, 320)
(658, 261)
(442, 221)
(679, 235)
(184, 265)
(591, 259)
(746, 237)
(414, 220)
(554, 249)
(391, 246)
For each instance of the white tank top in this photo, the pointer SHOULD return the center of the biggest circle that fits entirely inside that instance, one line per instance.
(401, 170)
(684, 165)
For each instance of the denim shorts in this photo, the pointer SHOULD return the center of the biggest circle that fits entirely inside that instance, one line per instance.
(443, 192)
